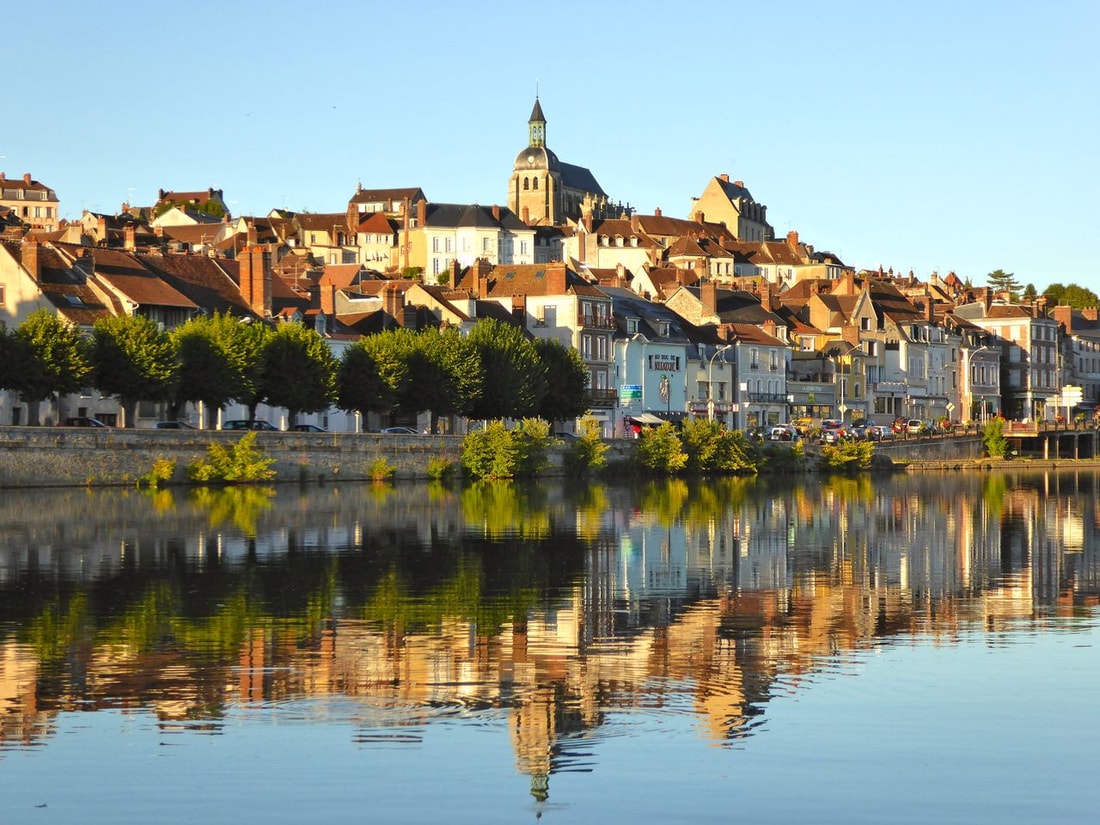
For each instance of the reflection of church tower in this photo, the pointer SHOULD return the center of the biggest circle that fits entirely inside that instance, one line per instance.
(534, 192)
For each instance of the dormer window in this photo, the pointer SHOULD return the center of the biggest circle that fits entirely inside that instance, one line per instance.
(632, 326)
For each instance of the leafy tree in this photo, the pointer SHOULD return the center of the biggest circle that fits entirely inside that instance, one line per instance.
(52, 358)
(1001, 281)
(133, 360)
(566, 381)
(247, 342)
(1071, 295)
(457, 370)
(360, 386)
(515, 378)
(660, 449)
(993, 439)
(390, 351)
(299, 370)
(210, 364)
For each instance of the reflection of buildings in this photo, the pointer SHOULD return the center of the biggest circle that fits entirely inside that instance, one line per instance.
(707, 600)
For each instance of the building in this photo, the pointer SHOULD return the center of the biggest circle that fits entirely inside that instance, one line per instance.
(730, 203)
(33, 203)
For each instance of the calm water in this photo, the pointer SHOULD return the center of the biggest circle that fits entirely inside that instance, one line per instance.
(913, 649)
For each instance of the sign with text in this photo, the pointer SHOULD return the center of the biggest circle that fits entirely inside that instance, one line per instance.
(630, 392)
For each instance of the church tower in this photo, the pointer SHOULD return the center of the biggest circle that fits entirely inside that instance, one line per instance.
(535, 191)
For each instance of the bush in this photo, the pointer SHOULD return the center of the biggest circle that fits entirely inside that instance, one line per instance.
(660, 450)
(489, 452)
(848, 455)
(240, 462)
(532, 442)
(439, 468)
(162, 471)
(381, 469)
(996, 445)
(710, 447)
(588, 451)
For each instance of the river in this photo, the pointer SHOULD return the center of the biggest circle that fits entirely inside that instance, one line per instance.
(905, 648)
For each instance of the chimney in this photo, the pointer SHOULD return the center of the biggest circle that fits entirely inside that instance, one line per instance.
(393, 303)
(129, 242)
(1041, 306)
(850, 334)
(739, 183)
(700, 217)
(256, 279)
(328, 300)
(555, 279)
(456, 271)
(792, 240)
(1089, 314)
(27, 178)
(101, 230)
(766, 296)
(496, 212)
(987, 297)
(29, 255)
(353, 218)
(1064, 316)
(526, 218)
(725, 178)
(769, 327)
(929, 308)
(708, 296)
(3, 176)
(656, 211)
(519, 309)
(421, 212)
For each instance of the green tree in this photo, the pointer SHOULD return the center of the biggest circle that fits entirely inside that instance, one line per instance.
(1001, 281)
(360, 386)
(566, 395)
(133, 360)
(299, 371)
(210, 364)
(53, 358)
(247, 343)
(1071, 295)
(515, 379)
(456, 372)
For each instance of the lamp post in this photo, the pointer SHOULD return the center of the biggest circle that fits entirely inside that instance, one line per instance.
(710, 380)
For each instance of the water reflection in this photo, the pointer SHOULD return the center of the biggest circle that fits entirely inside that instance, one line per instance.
(547, 609)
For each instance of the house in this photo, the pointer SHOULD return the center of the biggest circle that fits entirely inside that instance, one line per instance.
(448, 232)
(730, 203)
(33, 203)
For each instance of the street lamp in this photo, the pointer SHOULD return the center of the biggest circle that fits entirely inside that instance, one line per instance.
(710, 380)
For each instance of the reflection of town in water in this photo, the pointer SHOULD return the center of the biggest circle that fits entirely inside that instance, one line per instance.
(549, 607)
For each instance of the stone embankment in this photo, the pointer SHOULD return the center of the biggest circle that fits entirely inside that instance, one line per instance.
(68, 456)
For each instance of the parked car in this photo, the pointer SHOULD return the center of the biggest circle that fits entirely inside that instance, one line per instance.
(308, 428)
(758, 433)
(878, 432)
(172, 425)
(399, 431)
(783, 433)
(80, 421)
(564, 436)
(832, 435)
(245, 424)
(914, 426)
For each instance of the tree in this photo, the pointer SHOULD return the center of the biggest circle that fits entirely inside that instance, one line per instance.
(515, 381)
(566, 381)
(210, 363)
(1001, 281)
(456, 367)
(133, 360)
(247, 343)
(1072, 295)
(52, 358)
(299, 371)
(360, 386)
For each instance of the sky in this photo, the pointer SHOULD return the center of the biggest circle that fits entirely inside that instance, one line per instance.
(932, 137)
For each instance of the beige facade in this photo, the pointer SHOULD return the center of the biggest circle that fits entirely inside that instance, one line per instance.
(729, 202)
(34, 203)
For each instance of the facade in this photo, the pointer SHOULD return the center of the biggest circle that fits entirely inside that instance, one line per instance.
(450, 232)
(32, 202)
(545, 191)
(730, 203)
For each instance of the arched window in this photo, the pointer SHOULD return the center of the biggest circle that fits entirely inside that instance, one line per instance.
(535, 183)
(526, 184)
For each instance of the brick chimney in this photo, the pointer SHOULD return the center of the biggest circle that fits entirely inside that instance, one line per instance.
(255, 263)
(656, 211)
(456, 271)
(769, 326)
(421, 212)
(766, 296)
(929, 307)
(29, 255)
(496, 212)
(129, 243)
(1041, 306)
(725, 178)
(393, 303)
(519, 309)
(1089, 314)
(708, 297)
(555, 279)
(792, 240)
(27, 178)
(328, 300)
(700, 217)
(1064, 316)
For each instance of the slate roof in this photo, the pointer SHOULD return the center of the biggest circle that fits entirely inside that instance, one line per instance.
(577, 177)
(652, 315)
(413, 193)
(461, 215)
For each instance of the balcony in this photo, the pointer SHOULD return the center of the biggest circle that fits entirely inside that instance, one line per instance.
(601, 398)
(767, 397)
(596, 321)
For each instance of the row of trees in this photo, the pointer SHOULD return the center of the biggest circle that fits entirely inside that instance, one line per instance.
(494, 372)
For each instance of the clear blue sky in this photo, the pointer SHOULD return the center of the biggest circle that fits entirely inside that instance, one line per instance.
(927, 136)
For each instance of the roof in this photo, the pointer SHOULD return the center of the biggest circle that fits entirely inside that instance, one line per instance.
(202, 279)
(412, 193)
(125, 272)
(461, 215)
(577, 177)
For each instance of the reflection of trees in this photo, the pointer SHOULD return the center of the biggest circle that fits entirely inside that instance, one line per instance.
(506, 508)
(239, 505)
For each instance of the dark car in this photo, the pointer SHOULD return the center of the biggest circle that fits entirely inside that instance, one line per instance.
(399, 431)
(308, 428)
(172, 425)
(80, 421)
(244, 424)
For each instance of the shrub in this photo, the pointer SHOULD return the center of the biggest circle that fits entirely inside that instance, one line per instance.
(996, 445)
(710, 447)
(232, 463)
(848, 455)
(532, 442)
(439, 468)
(381, 469)
(162, 471)
(660, 450)
(489, 452)
(588, 451)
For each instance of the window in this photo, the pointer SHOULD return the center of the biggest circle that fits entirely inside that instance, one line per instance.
(485, 244)
(523, 247)
(435, 244)
(526, 183)
(535, 183)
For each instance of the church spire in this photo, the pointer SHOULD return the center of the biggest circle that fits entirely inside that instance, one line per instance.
(536, 125)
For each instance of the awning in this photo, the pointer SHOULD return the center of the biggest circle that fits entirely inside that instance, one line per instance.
(646, 418)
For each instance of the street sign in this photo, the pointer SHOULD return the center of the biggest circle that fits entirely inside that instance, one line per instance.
(630, 392)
